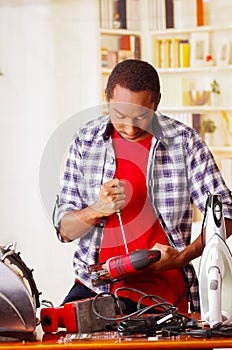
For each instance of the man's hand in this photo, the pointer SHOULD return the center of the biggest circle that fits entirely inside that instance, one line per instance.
(174, 259)
(170, 259)
(111, 198)
(76, 223)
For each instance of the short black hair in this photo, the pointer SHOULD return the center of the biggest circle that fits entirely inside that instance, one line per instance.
(135, 75)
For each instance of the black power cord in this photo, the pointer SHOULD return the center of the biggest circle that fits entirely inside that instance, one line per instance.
(165, 324)
(224, 331)
(167, 321)
(142, 325)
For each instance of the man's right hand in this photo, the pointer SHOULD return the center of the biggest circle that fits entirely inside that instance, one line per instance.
(76, 223)
(111, 197)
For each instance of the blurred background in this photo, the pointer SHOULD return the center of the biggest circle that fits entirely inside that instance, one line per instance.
(52, 80)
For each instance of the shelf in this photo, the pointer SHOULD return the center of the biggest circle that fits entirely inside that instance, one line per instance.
(106, 71)
(118, 45)
(118, 32)
(205, 69)
(225, 149)
(195, 109)
(173, 31)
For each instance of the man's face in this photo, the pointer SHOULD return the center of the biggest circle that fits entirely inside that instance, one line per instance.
(131, 113)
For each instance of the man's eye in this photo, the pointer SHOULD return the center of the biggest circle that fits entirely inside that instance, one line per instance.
(141, 118)
(119, 116)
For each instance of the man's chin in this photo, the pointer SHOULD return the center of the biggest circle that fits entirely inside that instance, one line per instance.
(134, 138)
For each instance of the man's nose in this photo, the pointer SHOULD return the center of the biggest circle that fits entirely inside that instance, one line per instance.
(130, 129)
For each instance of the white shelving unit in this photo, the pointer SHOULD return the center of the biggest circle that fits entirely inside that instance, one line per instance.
(199, 76)
(113, 50)
(217, 36)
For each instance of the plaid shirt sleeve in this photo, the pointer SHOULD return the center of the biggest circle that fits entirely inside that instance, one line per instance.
(204, 176)
(84, 170)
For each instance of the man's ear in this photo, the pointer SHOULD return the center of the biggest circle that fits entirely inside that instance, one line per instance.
(157, 102)
(106, 97)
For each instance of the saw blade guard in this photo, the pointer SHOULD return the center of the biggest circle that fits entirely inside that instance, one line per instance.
(19, 297)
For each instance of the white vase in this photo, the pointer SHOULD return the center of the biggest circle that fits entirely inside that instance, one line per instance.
(209, 138)
(215, 99)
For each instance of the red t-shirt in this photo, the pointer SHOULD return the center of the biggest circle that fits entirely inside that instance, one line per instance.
(142, 229)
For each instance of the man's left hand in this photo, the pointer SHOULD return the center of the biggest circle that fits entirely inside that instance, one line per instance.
(170, 258)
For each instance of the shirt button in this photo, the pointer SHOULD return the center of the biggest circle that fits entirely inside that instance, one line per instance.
(112, 161)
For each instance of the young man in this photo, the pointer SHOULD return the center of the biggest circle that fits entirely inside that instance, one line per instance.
(151, 167)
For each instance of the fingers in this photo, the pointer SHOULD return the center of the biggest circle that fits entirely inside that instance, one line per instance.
(111, 196)
(163, 248)
(170, 258)
(113, 190)
(114, 186)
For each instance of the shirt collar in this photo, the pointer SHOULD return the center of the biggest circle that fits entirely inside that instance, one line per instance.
(163, 128)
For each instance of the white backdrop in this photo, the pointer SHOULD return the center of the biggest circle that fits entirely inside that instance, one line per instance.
(49, 56)
(49, 74)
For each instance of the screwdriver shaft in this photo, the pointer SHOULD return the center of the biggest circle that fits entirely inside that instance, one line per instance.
(122, 230)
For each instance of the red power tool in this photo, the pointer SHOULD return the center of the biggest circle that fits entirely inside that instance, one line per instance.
(78, 316)
(63, 316)
(119, 267)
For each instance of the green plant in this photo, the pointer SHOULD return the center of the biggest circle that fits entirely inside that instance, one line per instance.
(215, 87)
(208, 126)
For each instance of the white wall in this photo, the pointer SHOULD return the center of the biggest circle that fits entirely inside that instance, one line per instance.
(49, 53)
(49, 74)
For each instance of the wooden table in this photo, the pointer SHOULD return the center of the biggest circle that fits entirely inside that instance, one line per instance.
(111, 340)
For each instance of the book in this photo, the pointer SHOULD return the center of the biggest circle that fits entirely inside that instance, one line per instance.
(104, 13)
(122, 13)
(160, 16)
(129, 47)
(112, 14)
(133, 12)
(156, 14)
(200, 13)
(152, 10)
(157, 53)
(169, 14)
(174, 91)
(197, 122)
(137, 49)
(125, 42)
(185, 13)
(125, 48)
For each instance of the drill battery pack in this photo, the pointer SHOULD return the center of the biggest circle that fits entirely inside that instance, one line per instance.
(78, 316)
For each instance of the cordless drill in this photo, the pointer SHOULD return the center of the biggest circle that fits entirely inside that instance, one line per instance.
(122, 266)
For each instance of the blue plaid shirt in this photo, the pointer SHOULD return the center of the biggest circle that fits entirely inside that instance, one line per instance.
(181, 171)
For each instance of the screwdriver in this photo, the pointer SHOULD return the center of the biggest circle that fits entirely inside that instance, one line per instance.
(118, 212)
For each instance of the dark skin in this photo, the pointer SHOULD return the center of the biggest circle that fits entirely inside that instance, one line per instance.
(131, 115)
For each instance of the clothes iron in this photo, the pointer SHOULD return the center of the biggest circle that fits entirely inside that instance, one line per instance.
(19, 297)
(215, 269)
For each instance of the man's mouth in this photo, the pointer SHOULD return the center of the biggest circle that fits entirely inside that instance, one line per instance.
(130, 137)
